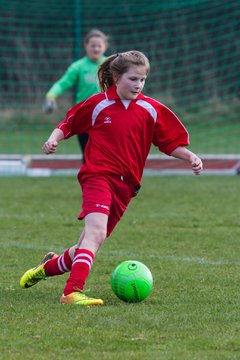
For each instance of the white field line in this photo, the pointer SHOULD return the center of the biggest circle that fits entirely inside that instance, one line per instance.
(129, 255)
(173, 258)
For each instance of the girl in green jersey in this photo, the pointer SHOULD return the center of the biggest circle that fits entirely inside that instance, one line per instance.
(82, 74)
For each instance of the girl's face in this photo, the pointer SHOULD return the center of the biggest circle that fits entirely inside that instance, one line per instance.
(131, 83)
(95, 48)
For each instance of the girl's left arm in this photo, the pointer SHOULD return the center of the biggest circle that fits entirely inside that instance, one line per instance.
(184, 154)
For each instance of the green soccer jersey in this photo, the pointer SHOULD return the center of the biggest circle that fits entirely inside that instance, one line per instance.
(82, 74)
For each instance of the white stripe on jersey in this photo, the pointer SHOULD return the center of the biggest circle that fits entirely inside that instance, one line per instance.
(99, 107)
(148, 107)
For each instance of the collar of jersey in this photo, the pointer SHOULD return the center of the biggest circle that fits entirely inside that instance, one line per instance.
(95, 62)
(111, 93)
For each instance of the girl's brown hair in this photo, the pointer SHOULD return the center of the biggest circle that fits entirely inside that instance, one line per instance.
(96, 33)
(118, 64)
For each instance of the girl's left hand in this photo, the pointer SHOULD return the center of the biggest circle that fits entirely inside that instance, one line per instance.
(197, 165)
(50, 147)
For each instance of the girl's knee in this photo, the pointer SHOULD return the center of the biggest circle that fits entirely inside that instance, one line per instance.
(96, 228)
(100, 234)
(97, 234)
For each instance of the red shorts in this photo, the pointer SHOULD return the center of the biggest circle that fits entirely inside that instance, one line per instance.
(107, 194)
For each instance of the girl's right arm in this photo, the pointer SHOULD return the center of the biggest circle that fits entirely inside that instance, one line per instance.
(50, 146)
(71, 125)
(68, 79)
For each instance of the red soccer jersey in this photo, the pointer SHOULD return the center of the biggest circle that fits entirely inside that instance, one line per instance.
(121, 132)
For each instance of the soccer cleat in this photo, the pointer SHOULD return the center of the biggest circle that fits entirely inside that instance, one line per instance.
(34, 275)
(79, 298)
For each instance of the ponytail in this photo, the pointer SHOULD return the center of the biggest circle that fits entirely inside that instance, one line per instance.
(105, 76)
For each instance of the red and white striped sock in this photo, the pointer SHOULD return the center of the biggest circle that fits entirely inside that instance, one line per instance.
(81, 267)
(59, 265)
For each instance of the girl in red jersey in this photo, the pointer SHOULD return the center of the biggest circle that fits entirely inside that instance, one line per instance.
(122, 124)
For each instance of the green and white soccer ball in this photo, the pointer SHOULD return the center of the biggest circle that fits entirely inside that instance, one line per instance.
(131, 281)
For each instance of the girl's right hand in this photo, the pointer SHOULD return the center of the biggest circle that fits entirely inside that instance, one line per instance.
(50, 147)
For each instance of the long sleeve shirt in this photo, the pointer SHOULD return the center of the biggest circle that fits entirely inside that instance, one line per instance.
(83, 75)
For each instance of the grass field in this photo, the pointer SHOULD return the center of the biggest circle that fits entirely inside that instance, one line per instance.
(185, 229)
